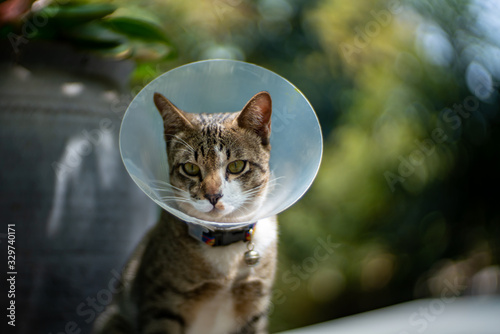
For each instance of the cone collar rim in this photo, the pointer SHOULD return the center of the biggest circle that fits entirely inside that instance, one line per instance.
(203, 70)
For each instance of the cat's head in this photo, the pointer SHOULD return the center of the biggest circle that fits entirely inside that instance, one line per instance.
(219, 163)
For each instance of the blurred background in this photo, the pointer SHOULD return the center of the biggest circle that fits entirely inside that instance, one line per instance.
(405, 204)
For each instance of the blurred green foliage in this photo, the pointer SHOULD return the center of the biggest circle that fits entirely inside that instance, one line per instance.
(407, 95)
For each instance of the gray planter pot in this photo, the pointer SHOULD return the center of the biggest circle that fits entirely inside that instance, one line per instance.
(76, 213)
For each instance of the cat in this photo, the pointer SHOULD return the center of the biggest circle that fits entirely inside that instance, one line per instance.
(173, 283)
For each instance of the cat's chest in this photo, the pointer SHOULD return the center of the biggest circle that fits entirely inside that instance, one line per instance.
(239, 283)
(221, 311)
(215, 315)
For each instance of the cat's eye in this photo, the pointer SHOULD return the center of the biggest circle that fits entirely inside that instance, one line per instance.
(236, 167)
(191, 169)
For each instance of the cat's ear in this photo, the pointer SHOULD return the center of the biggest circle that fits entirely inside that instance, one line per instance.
(256, 116)
(174, 119)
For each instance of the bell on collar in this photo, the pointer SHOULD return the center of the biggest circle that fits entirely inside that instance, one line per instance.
(252, 257)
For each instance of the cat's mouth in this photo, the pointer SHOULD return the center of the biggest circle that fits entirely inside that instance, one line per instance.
(204, 210)
(219, 211)
(215, 211)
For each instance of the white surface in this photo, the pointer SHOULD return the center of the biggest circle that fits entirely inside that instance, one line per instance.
(471, 315)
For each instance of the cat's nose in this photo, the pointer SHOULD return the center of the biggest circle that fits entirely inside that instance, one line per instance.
(213, 198)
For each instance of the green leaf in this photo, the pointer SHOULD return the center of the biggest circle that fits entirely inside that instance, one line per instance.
(121, 51)
(94, 35)
(137, 28)
(72, 15)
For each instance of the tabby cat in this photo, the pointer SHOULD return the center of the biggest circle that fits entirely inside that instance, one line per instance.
(174, 283)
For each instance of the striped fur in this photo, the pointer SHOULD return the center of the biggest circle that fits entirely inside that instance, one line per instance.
(175, 284)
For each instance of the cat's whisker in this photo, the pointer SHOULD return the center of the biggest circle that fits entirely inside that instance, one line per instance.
(165, 186)
(250, 195)
(160, 182)
(254, 190)
(172, 197)
(177, 200)
(168, 190)
(273, 182)
(160, 188)
(184, 150)
(258, 188)
(183, 142)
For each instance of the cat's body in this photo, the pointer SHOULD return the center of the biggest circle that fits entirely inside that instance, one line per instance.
(176, 284)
